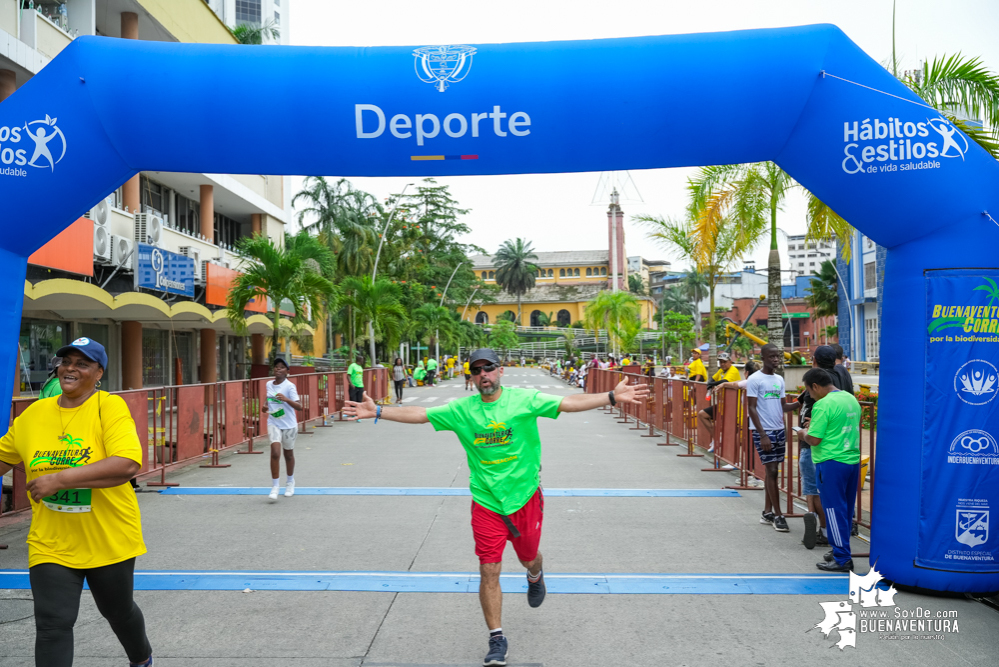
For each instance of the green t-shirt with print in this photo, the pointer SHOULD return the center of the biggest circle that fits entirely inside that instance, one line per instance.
(356, 374)
(431, 364)
(836, 421)
(502, 443)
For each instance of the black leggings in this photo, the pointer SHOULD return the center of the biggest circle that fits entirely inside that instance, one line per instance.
(57, 589)
(398, 389)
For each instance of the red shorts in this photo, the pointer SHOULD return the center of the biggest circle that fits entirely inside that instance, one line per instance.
(491, 531)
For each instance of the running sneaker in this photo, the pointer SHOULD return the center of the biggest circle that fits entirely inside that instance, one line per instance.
(536, 590)
(811, 530)
(497, 652)
(274, 492)
(711, 447)
(821, 540)
(147, 663)
(767, 518)
(780, 524)
(289, 489)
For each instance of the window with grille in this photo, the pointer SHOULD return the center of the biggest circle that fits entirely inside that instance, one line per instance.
(870, 276)
(154, 358)
(872, 338)
(248, 11)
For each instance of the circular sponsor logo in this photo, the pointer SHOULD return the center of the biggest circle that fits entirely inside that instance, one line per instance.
(974, 441)
(976, 382)
(81, 342)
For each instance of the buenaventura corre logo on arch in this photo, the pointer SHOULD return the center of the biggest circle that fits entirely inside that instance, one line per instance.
(875, 145)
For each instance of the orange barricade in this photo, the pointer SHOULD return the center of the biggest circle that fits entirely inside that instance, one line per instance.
(183, 424)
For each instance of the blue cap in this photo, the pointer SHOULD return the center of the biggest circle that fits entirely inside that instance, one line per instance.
(91, 349)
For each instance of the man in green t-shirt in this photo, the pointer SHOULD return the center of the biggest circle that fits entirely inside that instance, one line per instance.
(431, 371)
(499, 432)
(356, 374)
(834, 435)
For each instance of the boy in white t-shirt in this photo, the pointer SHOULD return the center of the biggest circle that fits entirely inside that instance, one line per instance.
(282, 426)
(766, 407)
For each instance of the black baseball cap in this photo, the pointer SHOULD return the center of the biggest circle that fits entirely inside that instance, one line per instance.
(483, 354)
(91, 349)
(280, 360)
(825, 356)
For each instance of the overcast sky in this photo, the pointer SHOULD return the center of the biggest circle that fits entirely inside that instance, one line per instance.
(554, 211)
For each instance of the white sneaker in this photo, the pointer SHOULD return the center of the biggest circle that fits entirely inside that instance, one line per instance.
(274, 493)
(289, 489)
(712, 447)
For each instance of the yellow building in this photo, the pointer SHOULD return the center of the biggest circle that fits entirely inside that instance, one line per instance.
(566, 282)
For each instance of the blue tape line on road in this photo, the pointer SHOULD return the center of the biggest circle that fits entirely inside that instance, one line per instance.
(442, 491)
(466, 582)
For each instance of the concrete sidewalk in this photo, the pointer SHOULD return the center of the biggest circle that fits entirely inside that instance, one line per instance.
(431, 534)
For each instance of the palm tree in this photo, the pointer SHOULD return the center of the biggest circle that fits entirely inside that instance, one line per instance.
(377, 302)
(615, 312)
(433, 321)
(823, 295)
(250, 33)
(714, 238)
(514, 271)
(345, 218)
(696, 288)
(293, 273)
(674, 299)
(752, 194)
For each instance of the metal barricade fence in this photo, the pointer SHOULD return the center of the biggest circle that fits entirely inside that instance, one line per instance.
(672, 412)
(180, 425)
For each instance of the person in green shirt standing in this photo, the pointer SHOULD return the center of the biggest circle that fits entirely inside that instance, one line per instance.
(499, 431)
(431, 371)
(356, 374)
(52, 387)
(834, 435)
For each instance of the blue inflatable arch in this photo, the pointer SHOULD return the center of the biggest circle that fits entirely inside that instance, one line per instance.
(807, 98)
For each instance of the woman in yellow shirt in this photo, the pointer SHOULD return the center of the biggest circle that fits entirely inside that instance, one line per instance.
(79, 451)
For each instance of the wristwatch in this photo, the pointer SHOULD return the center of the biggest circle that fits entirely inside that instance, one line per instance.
(613, 400)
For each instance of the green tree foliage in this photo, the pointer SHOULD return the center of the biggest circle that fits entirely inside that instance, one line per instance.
(250, 33)
(636, 285)
(294, 273)
(615, 312)
(678, 330)
(377, 302)
(514, 271)
(503, 337)
(823, 296)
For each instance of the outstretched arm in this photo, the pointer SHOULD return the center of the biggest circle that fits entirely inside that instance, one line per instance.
(623, 393)
(367, 409)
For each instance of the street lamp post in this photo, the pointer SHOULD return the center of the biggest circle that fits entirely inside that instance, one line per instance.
(437, 343)
(374, 269)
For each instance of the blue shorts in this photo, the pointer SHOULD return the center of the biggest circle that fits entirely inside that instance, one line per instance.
(808, 486)
(777, 446)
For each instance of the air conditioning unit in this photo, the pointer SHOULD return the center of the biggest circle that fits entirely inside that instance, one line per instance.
(148, 228)
(122, 252)
(101, 212)
(102, 244)
(195, 254)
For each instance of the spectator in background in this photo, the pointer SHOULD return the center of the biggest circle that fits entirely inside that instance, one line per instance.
(834, 435)
(52, 387)
(766, 407)
(824, 358)
(431, 372)
(696, 371)
(846, 380)
(707, 415)
(726, 372)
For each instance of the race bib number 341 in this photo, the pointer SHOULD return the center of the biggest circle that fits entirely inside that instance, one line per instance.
(70, 500)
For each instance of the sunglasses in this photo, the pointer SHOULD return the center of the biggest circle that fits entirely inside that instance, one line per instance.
(488, 368)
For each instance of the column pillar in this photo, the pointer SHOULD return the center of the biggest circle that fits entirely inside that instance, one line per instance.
(255, 221)
(208, 212)
(131, 196)
(129, 25)
(209, 356)
(258, 349)
(131, 355)
(8, 84)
